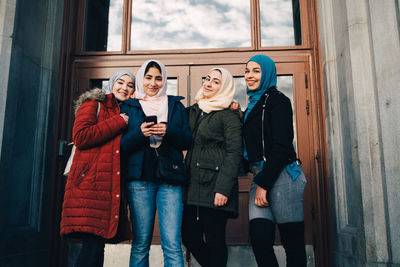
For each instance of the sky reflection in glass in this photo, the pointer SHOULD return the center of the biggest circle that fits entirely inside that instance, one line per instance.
(182, 24)
(103, 25)
(193, 24)
(277, 25)
(114, 38)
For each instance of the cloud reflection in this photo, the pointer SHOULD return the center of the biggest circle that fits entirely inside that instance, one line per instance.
(183, 24)
(276, 23)
(115, 16)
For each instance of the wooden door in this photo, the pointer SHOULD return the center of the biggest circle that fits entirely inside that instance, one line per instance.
(292, 82)
(187, 80)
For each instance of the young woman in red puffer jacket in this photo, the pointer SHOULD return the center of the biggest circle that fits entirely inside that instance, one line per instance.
(91, 208)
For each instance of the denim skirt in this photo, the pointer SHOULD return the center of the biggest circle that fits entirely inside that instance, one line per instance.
(285, 199)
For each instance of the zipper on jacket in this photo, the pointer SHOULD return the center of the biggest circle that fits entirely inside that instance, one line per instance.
(198, 198)
(262, 127)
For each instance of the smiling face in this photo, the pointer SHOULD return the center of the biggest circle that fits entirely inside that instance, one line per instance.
(212, 83)
(152, 81)
(123, 88)
(252, 75)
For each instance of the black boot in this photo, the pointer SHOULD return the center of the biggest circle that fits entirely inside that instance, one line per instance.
(292, 237)
(262, 236)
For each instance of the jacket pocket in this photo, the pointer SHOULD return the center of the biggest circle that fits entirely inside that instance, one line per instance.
(208, 171)
(85, 170)
(80, 172)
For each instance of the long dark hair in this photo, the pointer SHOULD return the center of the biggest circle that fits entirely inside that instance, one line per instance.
(151, 65)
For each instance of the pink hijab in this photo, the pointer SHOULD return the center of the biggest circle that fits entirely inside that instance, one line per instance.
(153, 105)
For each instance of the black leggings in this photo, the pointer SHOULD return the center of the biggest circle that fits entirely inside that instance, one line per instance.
(262, 236)
(92, 252)
(205, 238)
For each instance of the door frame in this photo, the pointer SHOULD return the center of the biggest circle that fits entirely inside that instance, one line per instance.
(71, 59)
(296, 65)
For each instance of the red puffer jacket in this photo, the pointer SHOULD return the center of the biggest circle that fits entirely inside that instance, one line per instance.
(92, 193)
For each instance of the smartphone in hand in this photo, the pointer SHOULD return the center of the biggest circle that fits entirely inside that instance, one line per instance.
(151, 119)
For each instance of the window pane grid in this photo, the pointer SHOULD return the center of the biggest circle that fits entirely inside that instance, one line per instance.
(190, 24)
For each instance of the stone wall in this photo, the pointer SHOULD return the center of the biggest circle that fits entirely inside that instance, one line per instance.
(360, 63)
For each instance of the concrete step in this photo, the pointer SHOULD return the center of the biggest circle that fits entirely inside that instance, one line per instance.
(238, 256)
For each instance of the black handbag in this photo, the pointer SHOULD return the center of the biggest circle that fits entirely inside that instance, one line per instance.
(171, 171)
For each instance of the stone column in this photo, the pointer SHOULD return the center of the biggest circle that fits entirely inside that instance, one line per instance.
(384, 25)
(360, 63)
(7, 13)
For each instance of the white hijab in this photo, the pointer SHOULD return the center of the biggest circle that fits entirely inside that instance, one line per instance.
(153, 105)
(223, 98)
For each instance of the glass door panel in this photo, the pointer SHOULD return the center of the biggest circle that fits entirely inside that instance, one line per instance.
(98, 83)
(285, 85)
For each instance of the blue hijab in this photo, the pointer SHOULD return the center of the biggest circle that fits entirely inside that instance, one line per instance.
(268, 79)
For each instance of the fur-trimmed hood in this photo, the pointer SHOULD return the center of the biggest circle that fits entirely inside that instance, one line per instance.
(96, 94)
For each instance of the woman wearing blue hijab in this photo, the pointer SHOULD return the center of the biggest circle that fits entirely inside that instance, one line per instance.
(276, 194)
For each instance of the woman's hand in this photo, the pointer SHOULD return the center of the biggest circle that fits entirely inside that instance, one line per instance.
(220, 200)
(261, 197)
(125, 117)
(146, 129)
(234, 106)
(159, 129)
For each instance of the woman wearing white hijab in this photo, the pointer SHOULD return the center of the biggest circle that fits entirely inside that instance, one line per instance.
(141, 147)
(214, 159)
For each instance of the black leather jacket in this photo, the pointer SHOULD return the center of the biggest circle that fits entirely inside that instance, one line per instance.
(278, 136)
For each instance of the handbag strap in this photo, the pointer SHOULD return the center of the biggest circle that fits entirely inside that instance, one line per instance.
(98, 109)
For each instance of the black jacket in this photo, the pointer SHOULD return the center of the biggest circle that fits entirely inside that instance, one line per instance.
(278, 136)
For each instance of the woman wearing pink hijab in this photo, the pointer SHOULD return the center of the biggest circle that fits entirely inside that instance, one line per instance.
(165, 134)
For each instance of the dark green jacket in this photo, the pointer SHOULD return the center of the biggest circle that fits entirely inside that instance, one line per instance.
(214, 158)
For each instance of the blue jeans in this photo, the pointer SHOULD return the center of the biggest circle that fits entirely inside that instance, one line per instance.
(144, 198)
